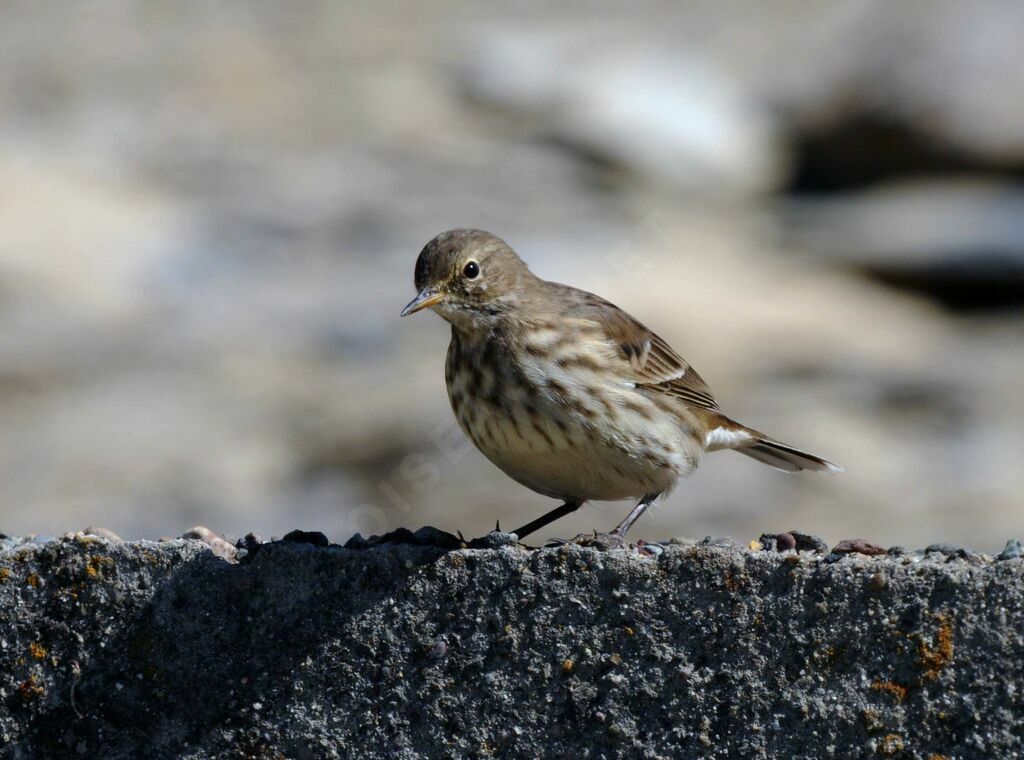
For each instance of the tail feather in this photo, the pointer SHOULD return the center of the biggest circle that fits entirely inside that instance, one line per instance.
(786, 458)
(756, 445)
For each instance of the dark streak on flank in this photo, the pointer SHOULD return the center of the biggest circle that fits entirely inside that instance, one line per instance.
(557, 389)
(579, 361)
(581, 409)
(641, 409)
(543, 433)
(476, 378)
(594, 392)
(519, 431)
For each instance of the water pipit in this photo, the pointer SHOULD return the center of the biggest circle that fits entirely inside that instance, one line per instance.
(568, 394)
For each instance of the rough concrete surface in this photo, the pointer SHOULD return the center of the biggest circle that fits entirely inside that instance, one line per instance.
(123, 650)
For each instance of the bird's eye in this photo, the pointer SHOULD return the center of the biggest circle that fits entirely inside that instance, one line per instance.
(471, 270)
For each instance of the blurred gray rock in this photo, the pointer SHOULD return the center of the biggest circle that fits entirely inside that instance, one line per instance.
(208, 222)
(651, 108)
(961, 243)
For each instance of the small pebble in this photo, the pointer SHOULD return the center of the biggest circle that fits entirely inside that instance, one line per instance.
(878, 581)
(431, 536)
(357, 542)
(248, 547)
(396, 536)
(649, 549)
(494, 540)
(103, 533)
(805, 542)
(785, 541)
(1013, 550)
(313, 537)
(792, 539)
(722, 543)
(858, 546)
(950, 550)
(217, 544)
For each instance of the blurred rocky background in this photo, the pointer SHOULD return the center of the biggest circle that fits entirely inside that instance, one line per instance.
(209, 214)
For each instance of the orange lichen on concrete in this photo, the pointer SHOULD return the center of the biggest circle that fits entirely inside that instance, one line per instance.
(30, 689)
(935, 656)
(4, 574)
(872, 720)
(37, 650)
(96, 566)
(898, 690)
(891, 744)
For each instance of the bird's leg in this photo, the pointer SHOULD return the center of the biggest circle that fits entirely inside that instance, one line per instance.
(634, 515)
(568, 508)
(615, 539)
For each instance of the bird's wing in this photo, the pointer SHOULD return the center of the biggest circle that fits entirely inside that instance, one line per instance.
(651, 362)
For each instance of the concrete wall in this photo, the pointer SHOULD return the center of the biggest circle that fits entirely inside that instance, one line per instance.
(120, 650)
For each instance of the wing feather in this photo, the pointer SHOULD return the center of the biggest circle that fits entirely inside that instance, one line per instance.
(649, 360)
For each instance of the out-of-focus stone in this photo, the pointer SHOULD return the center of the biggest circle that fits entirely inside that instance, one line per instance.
(655, 110)
(215, 542)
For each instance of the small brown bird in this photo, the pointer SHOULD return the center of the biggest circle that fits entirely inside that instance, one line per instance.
(568, 394)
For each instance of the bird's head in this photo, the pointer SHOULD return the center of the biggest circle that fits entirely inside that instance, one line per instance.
(469, 277)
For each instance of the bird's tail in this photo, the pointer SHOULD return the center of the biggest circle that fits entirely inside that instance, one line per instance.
(756, 445)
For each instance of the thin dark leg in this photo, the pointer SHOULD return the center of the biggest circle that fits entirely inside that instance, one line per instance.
(566, 509)
(634, 515)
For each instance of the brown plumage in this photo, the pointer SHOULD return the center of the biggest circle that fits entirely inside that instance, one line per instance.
(565, 392)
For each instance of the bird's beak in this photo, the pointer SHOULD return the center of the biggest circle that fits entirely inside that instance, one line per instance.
(428, 297)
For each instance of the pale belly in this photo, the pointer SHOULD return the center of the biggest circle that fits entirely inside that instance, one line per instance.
(571, 443)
